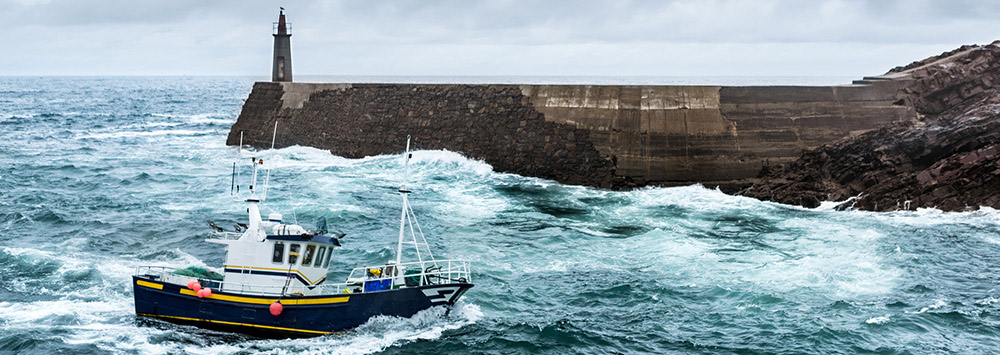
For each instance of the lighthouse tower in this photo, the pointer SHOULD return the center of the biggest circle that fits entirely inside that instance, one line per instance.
(282, 68)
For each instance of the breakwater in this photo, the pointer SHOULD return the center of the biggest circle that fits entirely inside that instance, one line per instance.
(598, 135)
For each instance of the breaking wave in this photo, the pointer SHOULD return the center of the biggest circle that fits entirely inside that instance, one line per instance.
(558, 269)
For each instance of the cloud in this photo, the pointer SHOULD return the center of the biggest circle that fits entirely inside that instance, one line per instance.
(587, 37)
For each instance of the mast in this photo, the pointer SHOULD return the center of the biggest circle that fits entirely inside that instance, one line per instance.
(253, 211)
(407, 216)
(252, 201)
(403, 192)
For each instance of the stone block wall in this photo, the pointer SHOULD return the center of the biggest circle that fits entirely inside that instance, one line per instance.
(495, 123)
(606, 136)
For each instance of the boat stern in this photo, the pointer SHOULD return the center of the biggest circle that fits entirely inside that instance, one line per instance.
(446, 294)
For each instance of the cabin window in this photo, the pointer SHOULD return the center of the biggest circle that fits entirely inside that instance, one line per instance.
(279, 253)
(328, 255)
(293, 253)
(308, 259)
(319, 256)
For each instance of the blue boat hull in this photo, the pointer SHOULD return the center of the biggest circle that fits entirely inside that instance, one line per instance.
(300, 317)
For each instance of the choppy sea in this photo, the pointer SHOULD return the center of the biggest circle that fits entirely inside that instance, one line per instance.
(100, 175)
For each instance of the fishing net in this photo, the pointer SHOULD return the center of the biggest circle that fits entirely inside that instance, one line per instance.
(198, 272)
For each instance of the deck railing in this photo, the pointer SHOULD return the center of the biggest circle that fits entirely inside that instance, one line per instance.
(225, 235)
(361, 280)
(415, 273)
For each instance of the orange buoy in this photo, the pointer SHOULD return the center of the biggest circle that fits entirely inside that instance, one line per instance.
(276, 308)
(196, 287)
(191, 284)
(207, 291)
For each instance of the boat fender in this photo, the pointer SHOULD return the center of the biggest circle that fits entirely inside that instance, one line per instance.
(205, 292)
(276, 308)
(194, 285)
(191, 284)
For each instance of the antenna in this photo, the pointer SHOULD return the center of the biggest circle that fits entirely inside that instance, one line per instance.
(253, 176)
(239, 155)
(268, 175)
(232, 185)
(234, 188)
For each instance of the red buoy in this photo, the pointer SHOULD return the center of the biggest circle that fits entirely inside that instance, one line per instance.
(276, 308)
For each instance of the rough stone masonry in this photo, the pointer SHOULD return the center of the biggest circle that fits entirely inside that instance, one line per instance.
(610, 136)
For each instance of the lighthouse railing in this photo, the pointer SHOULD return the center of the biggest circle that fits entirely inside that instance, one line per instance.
(288, 28)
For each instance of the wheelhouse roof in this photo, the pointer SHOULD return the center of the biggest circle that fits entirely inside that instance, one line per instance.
(307, 238)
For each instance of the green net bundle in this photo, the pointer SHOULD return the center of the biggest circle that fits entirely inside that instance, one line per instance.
(198, 272)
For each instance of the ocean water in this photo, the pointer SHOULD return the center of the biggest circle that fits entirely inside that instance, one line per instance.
(100, 175)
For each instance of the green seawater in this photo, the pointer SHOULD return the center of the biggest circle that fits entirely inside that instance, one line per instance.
(101, 175)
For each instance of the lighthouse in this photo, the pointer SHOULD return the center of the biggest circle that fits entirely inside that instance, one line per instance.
(282, 67)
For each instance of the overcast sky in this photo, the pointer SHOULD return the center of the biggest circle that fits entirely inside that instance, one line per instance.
(425, 37)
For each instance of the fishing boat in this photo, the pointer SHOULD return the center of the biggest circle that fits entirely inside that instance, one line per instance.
(273, 283)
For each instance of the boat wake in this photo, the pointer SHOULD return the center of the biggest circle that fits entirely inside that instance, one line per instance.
(378, 334)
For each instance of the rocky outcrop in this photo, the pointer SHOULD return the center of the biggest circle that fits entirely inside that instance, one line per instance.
(948, 159)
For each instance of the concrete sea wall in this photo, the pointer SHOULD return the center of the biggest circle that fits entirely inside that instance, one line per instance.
(611, 136)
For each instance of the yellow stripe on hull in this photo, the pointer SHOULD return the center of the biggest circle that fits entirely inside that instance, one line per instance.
(286, 301)
(149, 284)
(240, 324)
